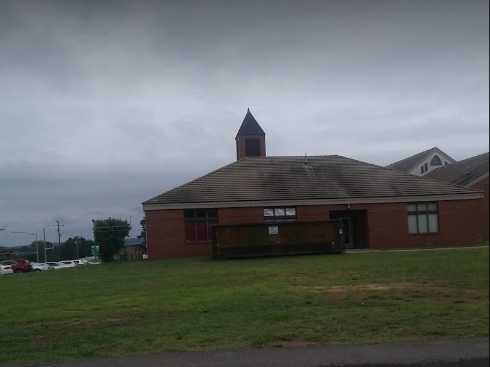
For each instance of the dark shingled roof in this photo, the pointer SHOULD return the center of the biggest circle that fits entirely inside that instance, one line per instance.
(463, 172)
(290, 178)
(408, 163)
(250, 126)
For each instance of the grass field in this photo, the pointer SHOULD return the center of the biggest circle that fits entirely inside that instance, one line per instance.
(199, 304)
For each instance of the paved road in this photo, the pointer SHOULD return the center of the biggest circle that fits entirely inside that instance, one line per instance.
(467, 353)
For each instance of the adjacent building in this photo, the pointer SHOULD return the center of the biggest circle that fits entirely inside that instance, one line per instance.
(471, 173)
(423, 163)
(377, 207)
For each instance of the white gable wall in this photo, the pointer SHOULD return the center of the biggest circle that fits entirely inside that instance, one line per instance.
(417, 170)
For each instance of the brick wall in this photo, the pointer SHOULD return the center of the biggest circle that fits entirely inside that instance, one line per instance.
(483, 186)
(460, 223)
(240, 215)
(240, 145)
(166, 236)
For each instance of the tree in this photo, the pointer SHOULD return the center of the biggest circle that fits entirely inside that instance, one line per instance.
(76, 247)
(109, 234)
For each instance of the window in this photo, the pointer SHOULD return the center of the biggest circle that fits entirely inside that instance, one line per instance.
(423, 218)
(252, 147)
(273, 230)
(199, 224)
(436, 161)
(424, 168)
(279, 213)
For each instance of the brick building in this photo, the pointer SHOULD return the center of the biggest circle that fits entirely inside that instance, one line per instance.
(377, 207)
(471, 173)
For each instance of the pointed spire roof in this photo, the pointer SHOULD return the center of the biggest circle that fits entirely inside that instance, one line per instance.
(250, 126)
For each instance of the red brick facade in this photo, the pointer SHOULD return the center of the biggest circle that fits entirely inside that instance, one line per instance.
(460, 224)
(483, 186)
(165, 233)
(241, 144)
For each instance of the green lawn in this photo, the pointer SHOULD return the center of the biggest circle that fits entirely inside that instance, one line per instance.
(199, 304)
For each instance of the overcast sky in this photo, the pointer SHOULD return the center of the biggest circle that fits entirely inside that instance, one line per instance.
(104, 104)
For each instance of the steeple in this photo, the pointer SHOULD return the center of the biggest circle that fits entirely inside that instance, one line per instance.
(250, 139)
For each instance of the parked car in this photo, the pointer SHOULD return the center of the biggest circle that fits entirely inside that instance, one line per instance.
(21, 266)
(40, 266)
(67, 264)
(53, 265)
(5, 269)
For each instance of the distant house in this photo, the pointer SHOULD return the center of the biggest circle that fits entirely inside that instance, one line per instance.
(423, 163)
(471, 173)
(376, 207)
(134, 249)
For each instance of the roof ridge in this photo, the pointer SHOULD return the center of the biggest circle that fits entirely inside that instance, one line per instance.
(285, 178)
(416, 158)
(289, 156)
(472, 157)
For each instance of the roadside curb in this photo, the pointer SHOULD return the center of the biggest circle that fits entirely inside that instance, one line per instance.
(467, 352)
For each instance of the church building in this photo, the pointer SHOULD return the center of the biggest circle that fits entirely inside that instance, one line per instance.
(377, 207)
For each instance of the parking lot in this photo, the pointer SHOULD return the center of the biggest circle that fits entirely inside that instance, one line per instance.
(8, 267)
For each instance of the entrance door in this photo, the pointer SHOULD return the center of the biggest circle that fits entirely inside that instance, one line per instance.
(346, 227)
(354, 227)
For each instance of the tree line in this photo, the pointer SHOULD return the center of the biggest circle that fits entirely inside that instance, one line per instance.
(109, 236)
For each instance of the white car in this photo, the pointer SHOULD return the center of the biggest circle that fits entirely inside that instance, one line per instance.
(80, 262)
(67, 264)
(40, 266)
(53, 265)
(5, 269)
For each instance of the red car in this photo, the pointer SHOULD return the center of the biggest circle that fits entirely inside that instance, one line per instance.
(21, 266)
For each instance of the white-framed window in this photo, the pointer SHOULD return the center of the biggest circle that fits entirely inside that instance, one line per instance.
(436, 161)
(268, 213)
(279, 213)
(424, 168)
(273, 230)
(423, 218)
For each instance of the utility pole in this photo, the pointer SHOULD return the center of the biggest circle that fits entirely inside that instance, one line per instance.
(44, 245)
(46, 248)
(58, 225)
(77, 244)
(59, 233)
(37, 248)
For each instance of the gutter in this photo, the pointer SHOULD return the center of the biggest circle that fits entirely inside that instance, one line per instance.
(310, 202)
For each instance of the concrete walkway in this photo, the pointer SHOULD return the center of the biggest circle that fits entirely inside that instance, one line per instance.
(462, 248)
(449, 353)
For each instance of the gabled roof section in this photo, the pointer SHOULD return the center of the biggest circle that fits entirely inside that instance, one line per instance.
(464, 172)
(250, 126)
(409, 163)
(316, 178)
